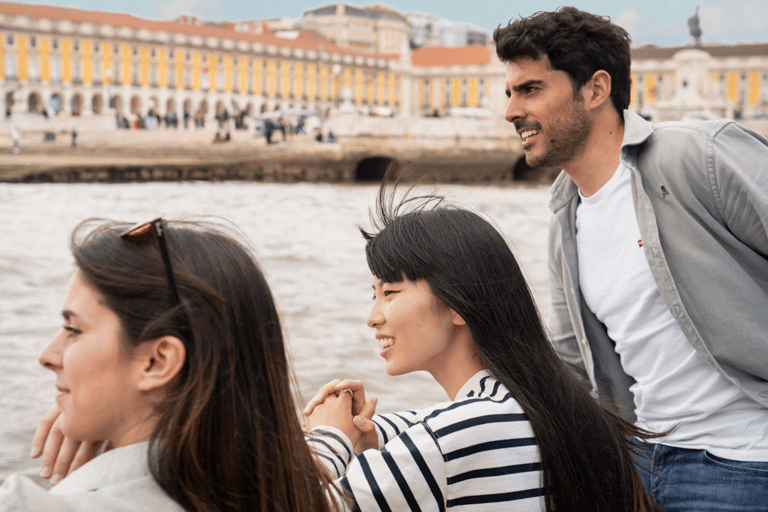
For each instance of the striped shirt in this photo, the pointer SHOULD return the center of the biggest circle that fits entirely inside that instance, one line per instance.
(475, 453)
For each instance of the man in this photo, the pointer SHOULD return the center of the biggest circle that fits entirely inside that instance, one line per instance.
(658, 258)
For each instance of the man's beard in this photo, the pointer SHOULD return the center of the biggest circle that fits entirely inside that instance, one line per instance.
(567, 138)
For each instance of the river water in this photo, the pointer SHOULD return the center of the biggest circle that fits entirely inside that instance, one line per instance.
(306, 240)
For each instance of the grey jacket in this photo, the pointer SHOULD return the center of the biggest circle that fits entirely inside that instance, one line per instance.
(700, 192)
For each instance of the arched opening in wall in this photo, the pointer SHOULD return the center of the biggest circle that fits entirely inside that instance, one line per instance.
(34, 103)
(97, 104)
(249, 109)
(170, 106)
(263, 108)
(8, 103)
(203, 107)
(135, 105)
(116, 103)
(220, 109)
(524, 172)
(187, 106)
(77, 104)
(374, 168)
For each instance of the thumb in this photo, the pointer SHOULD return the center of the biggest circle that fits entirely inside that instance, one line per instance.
(369, 409)
(364, 425)
(363, 420)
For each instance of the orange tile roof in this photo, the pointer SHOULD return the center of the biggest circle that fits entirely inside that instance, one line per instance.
(304, 41)
(475, 54)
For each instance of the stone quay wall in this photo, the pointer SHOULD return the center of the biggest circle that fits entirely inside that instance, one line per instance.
(435, 149)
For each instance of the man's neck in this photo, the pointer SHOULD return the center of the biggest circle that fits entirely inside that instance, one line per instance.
(594, 166)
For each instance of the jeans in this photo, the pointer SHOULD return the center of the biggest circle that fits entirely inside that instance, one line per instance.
(683, 480)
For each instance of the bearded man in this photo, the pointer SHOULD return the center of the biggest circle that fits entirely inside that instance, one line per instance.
(658, 256)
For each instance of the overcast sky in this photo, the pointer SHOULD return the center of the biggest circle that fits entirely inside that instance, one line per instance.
(660, 22)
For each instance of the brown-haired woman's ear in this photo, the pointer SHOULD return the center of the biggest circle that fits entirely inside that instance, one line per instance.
(158, 362)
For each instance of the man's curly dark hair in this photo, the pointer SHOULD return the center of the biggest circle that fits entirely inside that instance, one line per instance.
(574, 41)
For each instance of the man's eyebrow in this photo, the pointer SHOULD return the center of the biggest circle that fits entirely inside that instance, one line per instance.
(527, 83)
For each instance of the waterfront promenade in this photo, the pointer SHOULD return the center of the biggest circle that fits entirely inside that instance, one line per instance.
(448, 150)
(145, 149)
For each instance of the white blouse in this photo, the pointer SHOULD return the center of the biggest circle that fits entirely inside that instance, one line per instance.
(116, 481)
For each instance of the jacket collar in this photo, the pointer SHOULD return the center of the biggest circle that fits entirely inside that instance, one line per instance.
(636, 131)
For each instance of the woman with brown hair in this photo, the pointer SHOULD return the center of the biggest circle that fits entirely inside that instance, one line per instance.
(171, 351)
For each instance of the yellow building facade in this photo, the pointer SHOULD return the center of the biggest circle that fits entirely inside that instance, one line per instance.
(58, 61)
(452, 79)
(63, 63)
(719, 80)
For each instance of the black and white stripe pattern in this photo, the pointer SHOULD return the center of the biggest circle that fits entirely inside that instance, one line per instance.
(475, 453)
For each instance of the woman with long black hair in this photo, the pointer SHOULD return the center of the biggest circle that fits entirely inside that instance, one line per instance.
(520, 431)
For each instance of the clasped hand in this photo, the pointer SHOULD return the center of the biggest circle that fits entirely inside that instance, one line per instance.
(342, 404)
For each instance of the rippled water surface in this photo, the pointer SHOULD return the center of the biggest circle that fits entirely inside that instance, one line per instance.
(306, 239)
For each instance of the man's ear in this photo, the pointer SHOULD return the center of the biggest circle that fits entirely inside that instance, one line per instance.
(159, 361)
(597, 90)
(457, 318)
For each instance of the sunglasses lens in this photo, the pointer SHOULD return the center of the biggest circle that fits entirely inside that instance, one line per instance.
(139, 233)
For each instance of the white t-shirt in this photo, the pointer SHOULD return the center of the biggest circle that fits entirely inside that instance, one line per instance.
(674, 387)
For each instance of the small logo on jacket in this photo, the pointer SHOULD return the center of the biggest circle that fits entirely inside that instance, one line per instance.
(664, 192)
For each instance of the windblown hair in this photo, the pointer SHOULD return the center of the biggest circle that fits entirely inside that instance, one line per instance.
(584, 444)
(228, 436)
(576, 42)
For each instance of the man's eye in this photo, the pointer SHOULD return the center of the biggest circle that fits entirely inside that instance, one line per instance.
(72, 332)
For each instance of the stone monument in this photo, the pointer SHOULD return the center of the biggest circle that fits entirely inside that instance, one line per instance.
(694, 29)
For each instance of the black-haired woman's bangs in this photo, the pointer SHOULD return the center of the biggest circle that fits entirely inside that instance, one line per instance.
(392, 254)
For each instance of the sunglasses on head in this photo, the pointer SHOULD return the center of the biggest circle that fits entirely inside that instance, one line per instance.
(143, 233)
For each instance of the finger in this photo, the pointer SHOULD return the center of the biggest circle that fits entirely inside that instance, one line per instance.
(364, 425)
(85, 453)
(320, 396)
(369, 435)
(63, 461)
(358, 393)
(369, 409)
(346, 398)
(43, 429)
(51, 449)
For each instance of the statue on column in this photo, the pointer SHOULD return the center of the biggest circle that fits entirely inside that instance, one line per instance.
(694, 29)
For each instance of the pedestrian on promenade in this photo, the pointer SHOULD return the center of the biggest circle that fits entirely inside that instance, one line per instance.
(521, 432)
(171, 351)
(74, 138)
(15, 136)
(658, 257)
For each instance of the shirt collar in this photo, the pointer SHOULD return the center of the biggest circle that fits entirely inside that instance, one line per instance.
(115, 466)
(474, 385)
(636, 131)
